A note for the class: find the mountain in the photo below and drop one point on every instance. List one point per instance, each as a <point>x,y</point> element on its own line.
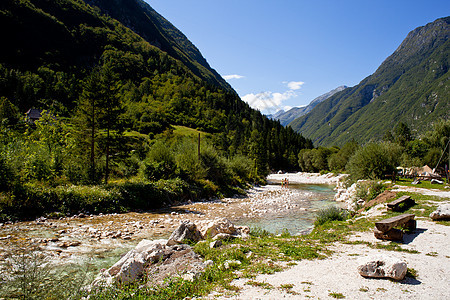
<point>286,117</point>
<point>152,78</point>
<point>410,86</point>
<point>155,29</point>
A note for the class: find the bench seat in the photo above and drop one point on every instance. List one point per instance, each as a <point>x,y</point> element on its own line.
<point>385,230</point>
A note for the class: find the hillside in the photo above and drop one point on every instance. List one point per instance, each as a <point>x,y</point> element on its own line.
<point>286,117</point>
<point>410,86</point>
<point>156,30</point>
<point>53,50</point>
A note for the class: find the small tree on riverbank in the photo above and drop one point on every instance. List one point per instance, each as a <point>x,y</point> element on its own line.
<point>374,160</point>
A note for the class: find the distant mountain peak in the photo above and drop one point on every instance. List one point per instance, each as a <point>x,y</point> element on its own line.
<point>285,117</point>
<point>410,86</point>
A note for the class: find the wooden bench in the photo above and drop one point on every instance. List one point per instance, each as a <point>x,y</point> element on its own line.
<point>395,205</point>
<point>385,230</point>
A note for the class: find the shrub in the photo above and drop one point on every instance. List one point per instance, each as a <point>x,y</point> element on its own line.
<point>374,160</point>
<point>329,214</point>
<point>241,166</point>
<point>187,160</point>
<point>369,190</point>
<point>6,175</point>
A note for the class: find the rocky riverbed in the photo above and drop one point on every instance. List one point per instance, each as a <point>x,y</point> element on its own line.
<point>100,240</point>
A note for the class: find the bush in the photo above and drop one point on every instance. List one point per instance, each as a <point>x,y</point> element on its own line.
<point>374,160</point>
<point>369,190</point>
<point>241,166</point>
<point>330,214</point>
<point>187,160</point>
<point>6,175</point>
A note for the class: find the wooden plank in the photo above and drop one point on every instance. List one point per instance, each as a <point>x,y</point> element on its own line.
<point>399,200</point>
<point>392,234</point>
<point>387,224</point>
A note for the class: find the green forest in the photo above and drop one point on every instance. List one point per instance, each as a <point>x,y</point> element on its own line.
<point>123,125</point>
<point>376,160</point>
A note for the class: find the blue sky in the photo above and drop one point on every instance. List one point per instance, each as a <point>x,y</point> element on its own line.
<point>279,54</point>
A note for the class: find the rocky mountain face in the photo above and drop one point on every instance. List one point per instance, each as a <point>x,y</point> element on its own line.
<point>410,86</point>
<point>155,29</point>
<point>286,117</point>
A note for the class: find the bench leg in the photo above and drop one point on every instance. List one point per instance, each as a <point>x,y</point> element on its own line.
<point>392,234</point>
<point>411,224</point>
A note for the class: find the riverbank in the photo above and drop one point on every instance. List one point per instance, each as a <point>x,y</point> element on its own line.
<point>424,250</point>
<point>101,239</point>
<point>307,178</point>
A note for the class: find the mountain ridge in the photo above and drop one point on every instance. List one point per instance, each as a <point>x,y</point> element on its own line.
<point>140,17</point>
<point>410,86</point>
<point>285,117</point>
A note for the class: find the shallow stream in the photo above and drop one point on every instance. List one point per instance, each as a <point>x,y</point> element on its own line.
<point>96,242</point>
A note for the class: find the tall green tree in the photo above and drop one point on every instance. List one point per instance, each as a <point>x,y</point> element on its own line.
<point>98,117</point>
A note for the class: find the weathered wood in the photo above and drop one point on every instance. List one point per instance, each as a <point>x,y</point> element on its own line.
<point>392,234</point>
<point>411,224</point>
<point>398,201</point>
<point>395,205</point>
<point>387,224</point>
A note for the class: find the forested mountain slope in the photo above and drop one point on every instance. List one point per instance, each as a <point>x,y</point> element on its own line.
<point>155,29</point>
<point>410,86</point>
<point>53,50</point>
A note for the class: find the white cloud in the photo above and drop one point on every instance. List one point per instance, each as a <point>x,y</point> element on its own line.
<point>295,85</point>
<point>228,77</point>
<point>268,102</point>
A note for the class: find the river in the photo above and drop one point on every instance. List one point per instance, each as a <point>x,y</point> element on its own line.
<point>98,241</point>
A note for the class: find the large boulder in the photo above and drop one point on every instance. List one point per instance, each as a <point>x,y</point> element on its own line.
<point>383,267</point>
<point>179,260</point>
<point>161,259</point>
<point>157,260</point>
<point>187,231</point>
<point>223,225</point>
<point>441,213</point>
<point>131,266</point>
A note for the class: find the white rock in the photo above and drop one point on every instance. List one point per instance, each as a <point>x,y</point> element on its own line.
<point>441,213</point>
<point>187,231</point>
<point>231,264</point>
<point>382,267</point>
<point>219,226</point>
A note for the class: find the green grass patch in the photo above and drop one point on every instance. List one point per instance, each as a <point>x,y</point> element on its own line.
<point>264,285</point>
<point>411,272</point>
<point>336,295</point>
<point>330,214</point>
<point>426,184</point>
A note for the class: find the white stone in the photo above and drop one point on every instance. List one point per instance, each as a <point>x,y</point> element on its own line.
<point>382,267</point>
<point>231,264</point>
<point>441,213</point>
<point>187,231</point>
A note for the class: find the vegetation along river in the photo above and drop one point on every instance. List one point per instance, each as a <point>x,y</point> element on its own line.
<point>97,241</point>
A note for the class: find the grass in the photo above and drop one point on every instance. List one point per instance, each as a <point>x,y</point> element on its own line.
<point>425,205</point>
<point>426,184</point>
<point>336,295</point>
<point>411,272</point>
<point>269,254</point>
<point>260,284</point>
<point>329,214</point>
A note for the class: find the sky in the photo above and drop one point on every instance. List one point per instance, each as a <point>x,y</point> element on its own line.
<point>279,54</point>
